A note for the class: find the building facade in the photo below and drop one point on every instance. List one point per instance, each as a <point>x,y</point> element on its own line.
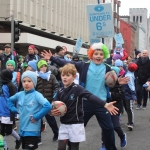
<point>139,16</point>
<point>59,20</point>
<point>128,32</point>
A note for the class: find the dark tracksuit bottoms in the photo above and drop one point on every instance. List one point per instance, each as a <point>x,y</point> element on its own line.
<point>104,120</point>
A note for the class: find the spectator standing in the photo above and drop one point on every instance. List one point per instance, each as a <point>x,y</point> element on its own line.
<point>143,74</point>
<point>7,55</point>
<point>31,54</point>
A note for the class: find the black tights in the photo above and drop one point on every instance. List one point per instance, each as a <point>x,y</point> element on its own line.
<point>62,145</point>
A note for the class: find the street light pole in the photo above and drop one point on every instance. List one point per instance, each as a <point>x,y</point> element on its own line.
<point>12,33</point>
<point>102,38</point>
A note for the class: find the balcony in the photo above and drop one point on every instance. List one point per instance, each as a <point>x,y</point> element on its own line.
<point>119,4</point>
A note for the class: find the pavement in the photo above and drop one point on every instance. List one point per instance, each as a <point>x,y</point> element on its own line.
<point>138,139</point>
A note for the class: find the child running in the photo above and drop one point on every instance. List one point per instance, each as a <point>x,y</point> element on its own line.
<point>92,78</point>
<point>72,124</point>
<point>32,107</point>
<point>6,117</point>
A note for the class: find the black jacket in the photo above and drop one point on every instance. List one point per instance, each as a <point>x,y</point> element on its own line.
<point>117,94</point>
<point>143,71</point>
<point>4,58</point>
<point>47,88</point>
<point>73,98</point>
<point>30,57</point>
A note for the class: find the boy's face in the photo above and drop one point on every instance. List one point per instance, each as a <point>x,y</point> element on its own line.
<point>10,67</point>
<point>29,68</point>
<point>27,84</point>
<point>43,68</point>
<point>98,57</point>
<point>67,79</point>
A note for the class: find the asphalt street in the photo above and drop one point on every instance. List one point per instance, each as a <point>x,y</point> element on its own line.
<point>138,139</point>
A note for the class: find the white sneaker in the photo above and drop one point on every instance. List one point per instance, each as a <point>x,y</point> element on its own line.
<point>40,143</point>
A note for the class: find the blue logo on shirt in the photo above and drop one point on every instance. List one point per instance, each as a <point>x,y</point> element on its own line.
<point>71,97</point>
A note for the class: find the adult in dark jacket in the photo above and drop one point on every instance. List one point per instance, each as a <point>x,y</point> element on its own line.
<point>143,74</point>
<point>31,54</point>
<point>7,55</point>
<point>98,51</point>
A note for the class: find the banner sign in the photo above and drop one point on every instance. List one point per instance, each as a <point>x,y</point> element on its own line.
<point>118,38</point>
<point>100,20</point>
<point>78,45</point>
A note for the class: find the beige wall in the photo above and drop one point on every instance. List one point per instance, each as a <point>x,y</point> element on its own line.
<point>68,17</point>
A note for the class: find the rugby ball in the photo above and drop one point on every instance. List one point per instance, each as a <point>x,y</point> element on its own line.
<point>61,106</point>
<point>148,84</point>
<point>111,78</point>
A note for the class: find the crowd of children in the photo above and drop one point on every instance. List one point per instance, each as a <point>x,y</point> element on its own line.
<point>31,91</point>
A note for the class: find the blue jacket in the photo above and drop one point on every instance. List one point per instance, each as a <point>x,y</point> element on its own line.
<point>4,110</point>
<point>82,68</point>
<point>129,89</point>
<point>29,103</point>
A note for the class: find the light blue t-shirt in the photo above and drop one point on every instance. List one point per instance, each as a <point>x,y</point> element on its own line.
<point>95,80</point>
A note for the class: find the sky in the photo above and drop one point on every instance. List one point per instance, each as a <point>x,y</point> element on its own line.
<point>126,4</point>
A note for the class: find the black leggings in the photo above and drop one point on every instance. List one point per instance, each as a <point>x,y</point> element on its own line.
<point>6,129</point>
<point>62,145</point>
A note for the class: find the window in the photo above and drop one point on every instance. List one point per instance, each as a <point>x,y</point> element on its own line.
<point>140,19</point>
<point>133,18</point>
<point>136,18</point>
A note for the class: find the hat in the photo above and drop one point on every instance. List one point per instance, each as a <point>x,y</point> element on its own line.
<point>75,57</point>
<point>7,46</point>
<point>118,45</point>
<point>12,62</point>
<point>33,64</point>
<point>58,48</point>
<point>6,76</point>
<point>30,74</point>
<point>116,56</point>
<point>32,46</point>
<point>132,67</point>
<point>98,46</point>
<point>137,52</point>
<point>36,47</point>
<point>118,63</point>
<point>41,63</point>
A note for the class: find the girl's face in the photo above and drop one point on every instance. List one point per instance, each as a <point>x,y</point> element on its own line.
<point>29,68</point>
<point>10,67</point>
<point>98,57</point>
<point>67,79</point>
<point>43,68</point>
<point>27,84</point>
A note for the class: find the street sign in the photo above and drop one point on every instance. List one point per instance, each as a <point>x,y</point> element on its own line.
<point>100,20</point>
<point>78,45</point>
<point>118,38</point>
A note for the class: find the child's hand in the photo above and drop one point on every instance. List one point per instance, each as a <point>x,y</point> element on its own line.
<point>32,119</point>
<point>111,108</point>
<point>55,112</point>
